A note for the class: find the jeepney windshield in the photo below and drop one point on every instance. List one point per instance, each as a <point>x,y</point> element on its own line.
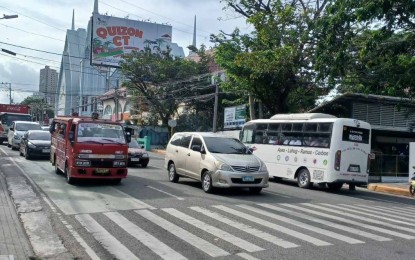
<point>100,132</point>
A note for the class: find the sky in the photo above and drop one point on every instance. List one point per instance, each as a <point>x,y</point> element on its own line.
<point>37,36</point>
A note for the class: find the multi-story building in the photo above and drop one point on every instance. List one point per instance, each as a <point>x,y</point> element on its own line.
<point>48,83</point>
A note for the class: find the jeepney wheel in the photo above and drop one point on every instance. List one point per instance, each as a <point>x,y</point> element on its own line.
<point>207,182</point>
<point>57,171</point>
<point>69,179</point>
<point>173,176</point>
<point>334,186</point>
<point>303,179</point>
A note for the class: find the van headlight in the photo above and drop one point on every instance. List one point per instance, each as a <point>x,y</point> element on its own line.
<point>224,167</point>
<point>30,145</point>
<point>17,137</point>
<point>263,168</point>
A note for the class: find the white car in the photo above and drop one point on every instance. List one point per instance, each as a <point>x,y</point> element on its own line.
<point>215,160</point>
<point>17,129</point>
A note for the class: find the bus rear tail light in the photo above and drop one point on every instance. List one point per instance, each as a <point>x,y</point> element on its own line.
<point>337,160</point>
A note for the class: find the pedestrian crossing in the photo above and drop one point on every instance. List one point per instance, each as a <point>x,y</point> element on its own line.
<point>245,230</point>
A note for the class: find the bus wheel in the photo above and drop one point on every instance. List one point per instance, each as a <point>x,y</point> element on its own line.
<point>69,179</point>
<point>335,186</point>
<point>303,179</point>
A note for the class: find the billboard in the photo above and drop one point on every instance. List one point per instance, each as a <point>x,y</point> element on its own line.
<point>112,37</point>
<point>234,117</point>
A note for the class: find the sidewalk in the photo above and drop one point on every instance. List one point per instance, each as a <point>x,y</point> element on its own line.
<point>14,244</point>
<point>391,188</point>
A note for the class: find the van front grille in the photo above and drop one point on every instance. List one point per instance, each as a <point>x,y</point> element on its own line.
<point>245,168</point>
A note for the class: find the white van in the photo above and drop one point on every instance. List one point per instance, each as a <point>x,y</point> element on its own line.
<point>17,129</point>
<point>215,160</point>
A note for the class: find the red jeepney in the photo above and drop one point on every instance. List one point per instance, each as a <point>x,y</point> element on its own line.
<point>89,148</point>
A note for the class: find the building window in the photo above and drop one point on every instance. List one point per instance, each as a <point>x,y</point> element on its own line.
<point>84,104</point>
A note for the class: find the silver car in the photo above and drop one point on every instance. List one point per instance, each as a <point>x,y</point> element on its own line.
<point>217,161</point>
<point>17,129</point>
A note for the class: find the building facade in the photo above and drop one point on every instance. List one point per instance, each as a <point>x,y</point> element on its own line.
<point>48,83</point>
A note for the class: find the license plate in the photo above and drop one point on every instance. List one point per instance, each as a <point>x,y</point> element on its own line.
<point>102,171</point>
<point>45,150</point>
<point>135,159</point>
<point>354,168</point>
<point>248,178</point>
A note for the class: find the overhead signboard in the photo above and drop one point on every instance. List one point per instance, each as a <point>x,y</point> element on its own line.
<point>234,117</point>
<point>112,37</point>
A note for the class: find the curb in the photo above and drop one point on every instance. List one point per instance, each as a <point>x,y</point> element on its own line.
<point>159,151</point>
<point>389,189</point>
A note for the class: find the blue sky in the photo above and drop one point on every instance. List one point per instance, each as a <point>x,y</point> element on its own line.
<point>42,25</point>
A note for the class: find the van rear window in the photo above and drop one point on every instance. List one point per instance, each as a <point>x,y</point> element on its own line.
<point>357,135</point>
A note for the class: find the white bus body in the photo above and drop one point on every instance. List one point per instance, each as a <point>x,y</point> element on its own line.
<point>324,149</point>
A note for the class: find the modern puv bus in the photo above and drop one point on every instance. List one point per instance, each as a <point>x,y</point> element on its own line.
<point>312,148</point>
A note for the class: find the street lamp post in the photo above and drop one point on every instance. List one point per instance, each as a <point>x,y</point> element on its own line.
<point>5,16</point>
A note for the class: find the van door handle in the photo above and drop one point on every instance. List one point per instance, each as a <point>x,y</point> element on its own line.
<point>188,154</point>
<point>177,151</point>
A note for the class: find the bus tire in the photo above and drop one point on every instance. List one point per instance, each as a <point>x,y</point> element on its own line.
<point>335,186</point>
<point>69,179</point>
<point>304,179</point>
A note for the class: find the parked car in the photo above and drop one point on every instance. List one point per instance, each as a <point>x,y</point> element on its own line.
<point>35,143</point>
<point>17,129</point>
<point>217,161</point>
<point>45,127</point>
<point>137,155</point>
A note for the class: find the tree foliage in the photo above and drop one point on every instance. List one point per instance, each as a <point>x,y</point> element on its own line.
<point>38,107</point>
<point>368,46</point>
<point>275,62</point>
<point>165,83</point>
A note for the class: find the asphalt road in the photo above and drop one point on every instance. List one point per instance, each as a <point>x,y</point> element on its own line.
<point>147,217</point>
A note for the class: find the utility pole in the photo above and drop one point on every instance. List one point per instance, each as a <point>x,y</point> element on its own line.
<point>10,90</point>
<point>215,109</point>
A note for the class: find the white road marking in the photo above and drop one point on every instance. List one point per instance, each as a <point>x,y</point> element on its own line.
<point>248,229</point>
<point>148,240</point>
<point>246,256</point>
<point>380,213</point>
<point>273,226</point>
<point>360,224</point>
<point>110,243</point>
<point>214,231</point>
<point>327,223</point>
<point>162,191</point>
<point>184,235</point>
<point>304,225</point>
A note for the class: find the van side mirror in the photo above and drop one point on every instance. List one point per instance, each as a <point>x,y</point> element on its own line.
<point>250,150</point>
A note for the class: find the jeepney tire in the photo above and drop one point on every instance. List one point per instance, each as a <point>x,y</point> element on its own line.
<point>304,179</point>
<point>335,186</point>
<point>207,182</point>
<point>69,179</point>
<point>116,181</point>
<point>57,171</point>
<point>173,176</point>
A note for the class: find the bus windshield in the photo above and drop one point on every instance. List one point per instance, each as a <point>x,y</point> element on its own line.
<point>100,132</point>
<point>7,119</point>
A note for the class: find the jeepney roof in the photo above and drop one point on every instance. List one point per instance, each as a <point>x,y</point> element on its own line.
<point>78,119</point>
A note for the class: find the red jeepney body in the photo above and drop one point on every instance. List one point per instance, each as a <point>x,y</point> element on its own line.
<point>80,152</point>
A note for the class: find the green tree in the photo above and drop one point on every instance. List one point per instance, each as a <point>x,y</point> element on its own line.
<point>274,63</point>
<point>38,107</point>
<point>165,82</point>
<point>368,46</point>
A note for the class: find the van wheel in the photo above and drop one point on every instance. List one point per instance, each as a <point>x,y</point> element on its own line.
<point>303,179</point>
<point>69,179</point>
<point>173,176</point>
<point>255,190</point>
<point>335,186</point>
<point>207,182</point>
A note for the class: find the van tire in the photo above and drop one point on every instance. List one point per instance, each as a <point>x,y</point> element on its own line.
<point>207,182</point>
<point>304,179</point>
<point>173,176</point>
<point>255,190</point>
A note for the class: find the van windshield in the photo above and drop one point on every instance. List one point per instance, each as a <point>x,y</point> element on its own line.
<point>225,145</point>
<point>100,132</point>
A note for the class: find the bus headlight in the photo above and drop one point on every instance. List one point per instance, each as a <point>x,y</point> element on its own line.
<point>82,163</point>
<point>119,163</point>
